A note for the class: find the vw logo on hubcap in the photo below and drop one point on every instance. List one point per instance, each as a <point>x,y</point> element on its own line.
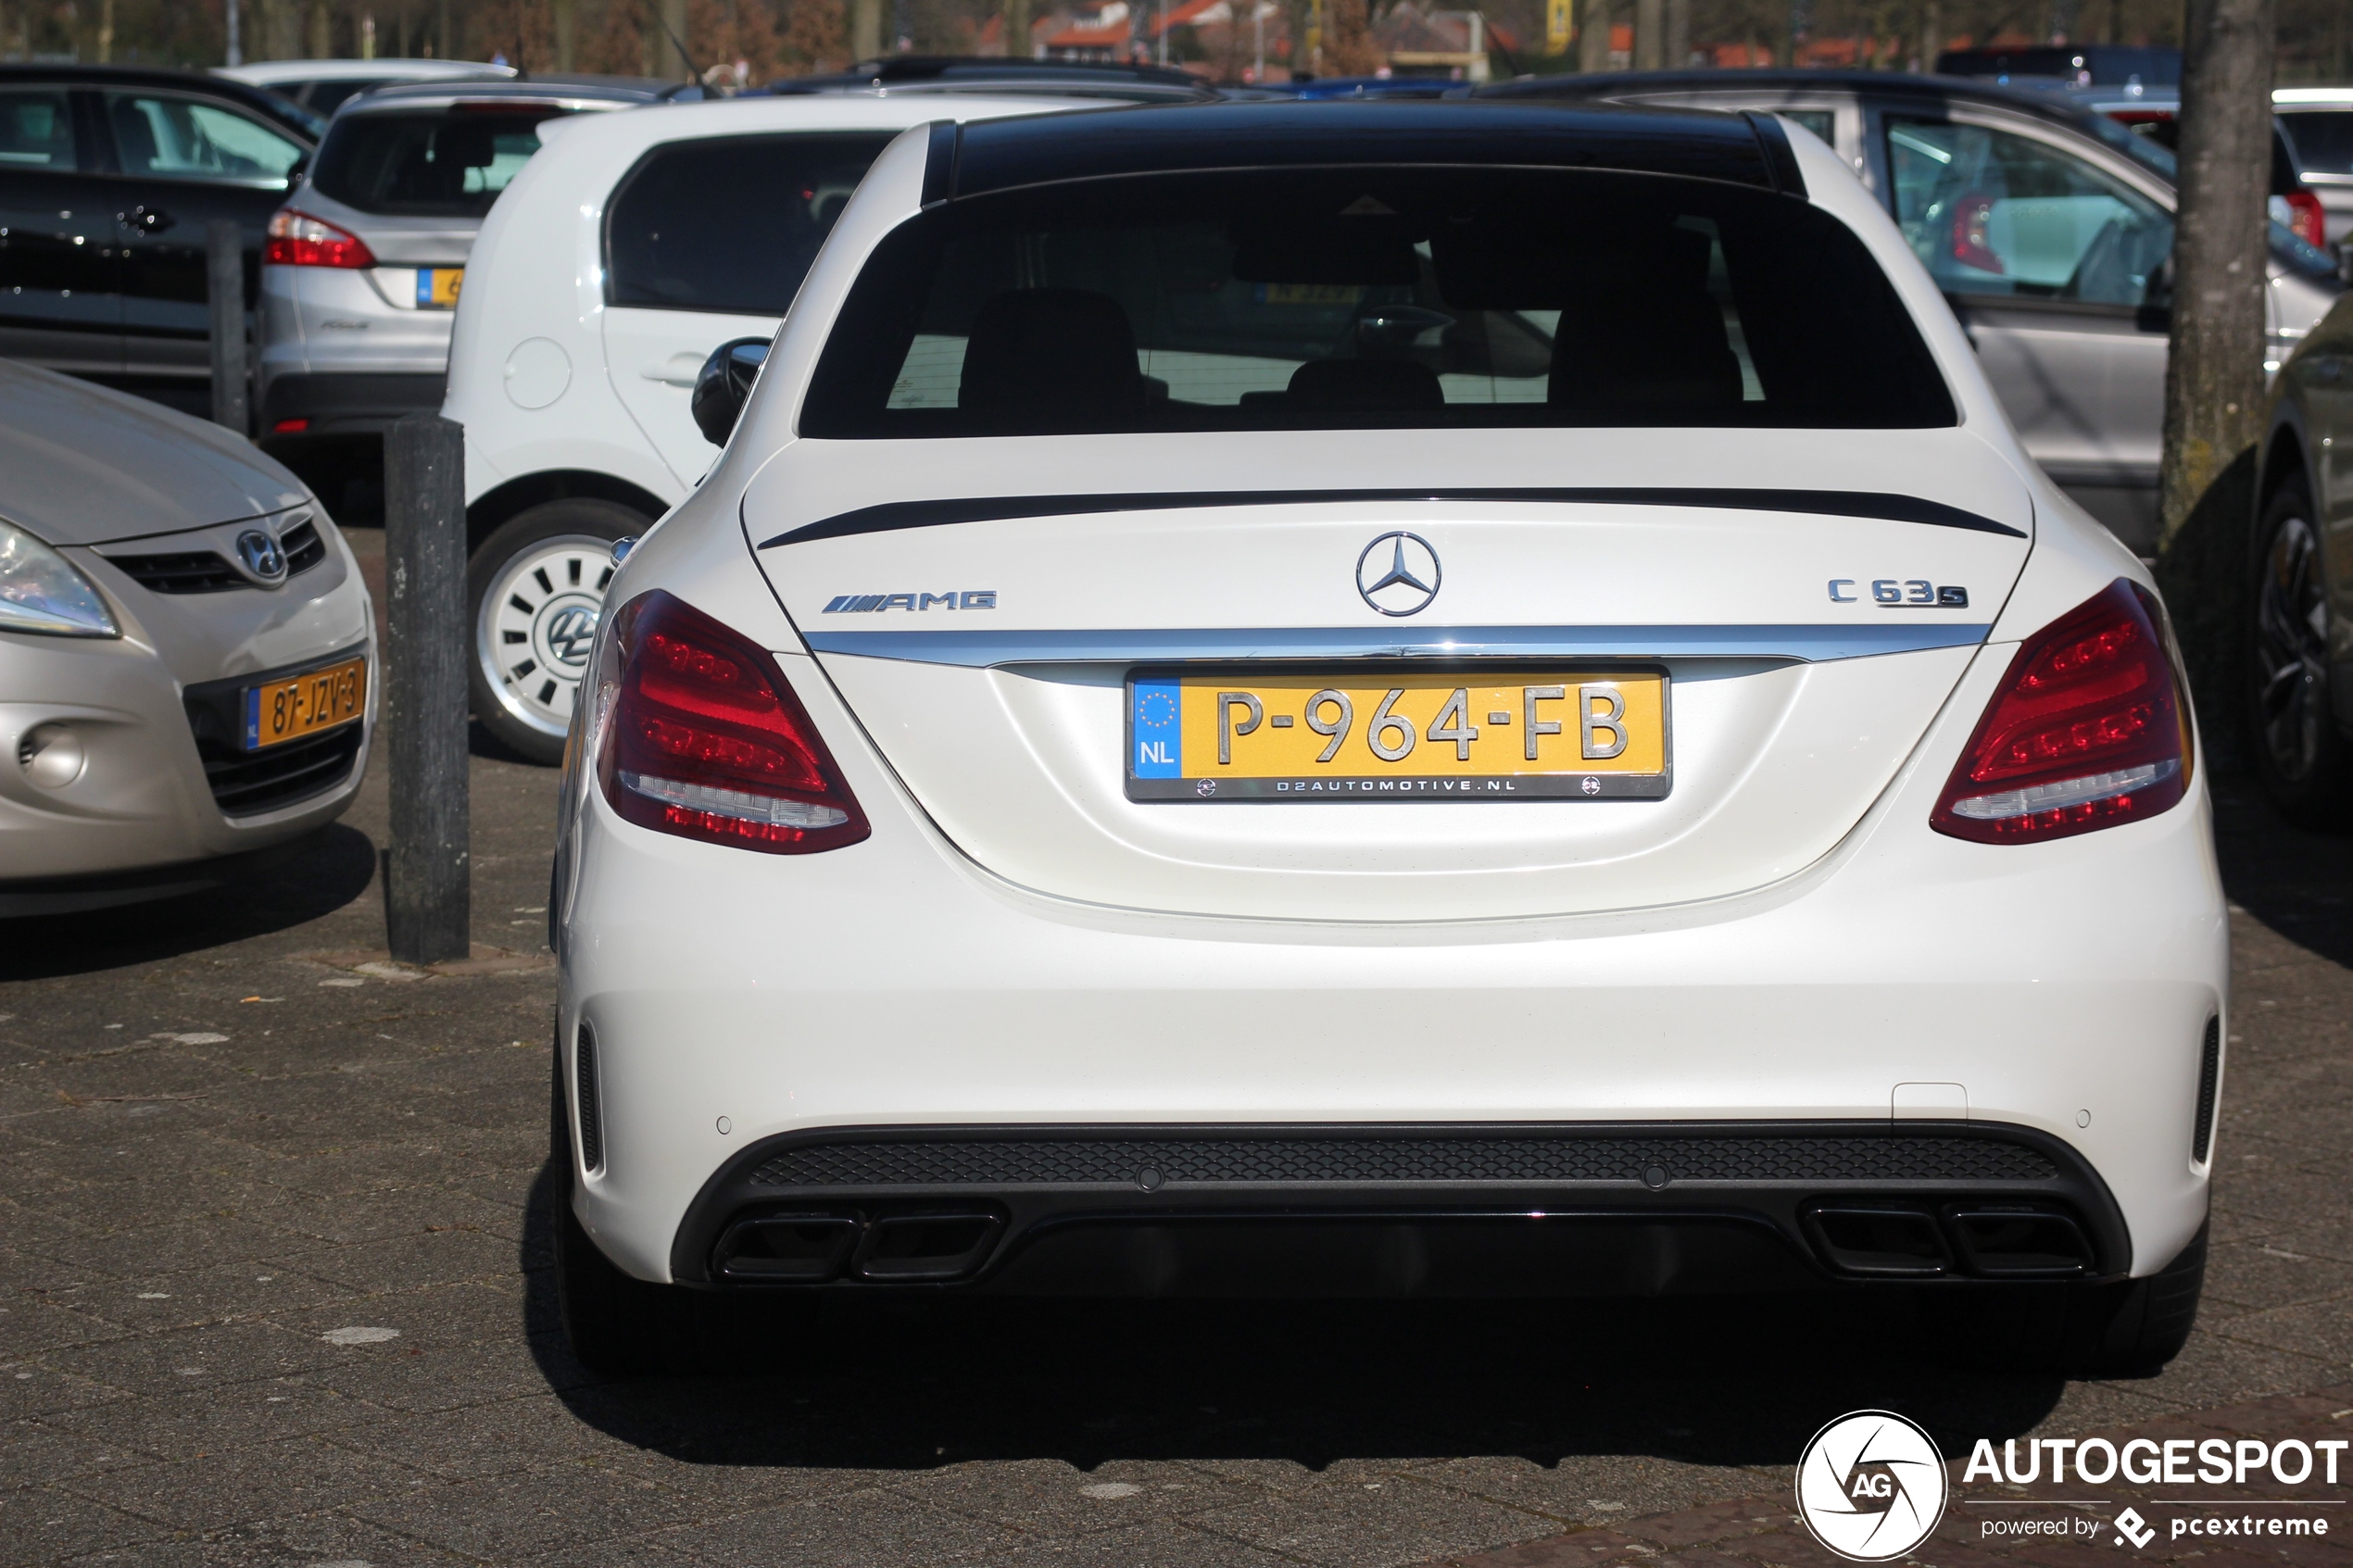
<point>1398,573</point>
<point>569,631</point>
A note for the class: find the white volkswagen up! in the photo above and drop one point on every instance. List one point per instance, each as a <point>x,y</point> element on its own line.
<point>620,256</point>
<point>1425,698</point>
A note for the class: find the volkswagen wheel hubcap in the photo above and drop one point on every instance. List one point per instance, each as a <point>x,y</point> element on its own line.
<point>538,623</point>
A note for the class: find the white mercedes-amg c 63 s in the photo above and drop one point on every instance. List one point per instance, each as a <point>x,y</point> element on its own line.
<point>1395,698</point>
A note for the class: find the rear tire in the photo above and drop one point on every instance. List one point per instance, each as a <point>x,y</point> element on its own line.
<point>535,589</point>
<point>2301,756</point>
<point>616,1324</point>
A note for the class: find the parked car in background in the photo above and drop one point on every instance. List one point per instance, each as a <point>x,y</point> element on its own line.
<point>186,659</point>
<point>108,178</point>
<point>623,255</point>
<point>322,86</point>
<point>1319,87</point>
<point>999,76</point>
<point>2156,113</point>
<point>2050,230</point>
<point>1396,700</point>
<point>366,255</point>
<point>2076,65</point>
<point>2299,635</point>
<point>2320,121</point>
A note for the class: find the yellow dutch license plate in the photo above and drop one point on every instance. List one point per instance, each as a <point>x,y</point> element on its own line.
<point>1551,735</point>
<point>437,287</point>
<point>304,705</point>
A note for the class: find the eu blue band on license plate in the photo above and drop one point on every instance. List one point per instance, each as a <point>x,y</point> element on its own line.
<point>253,718</point>
<point>1157,708</point>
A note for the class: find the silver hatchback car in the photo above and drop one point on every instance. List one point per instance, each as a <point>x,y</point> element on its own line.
<point>364,262</point>
<point>186,652</point>
<point>2050,231</point>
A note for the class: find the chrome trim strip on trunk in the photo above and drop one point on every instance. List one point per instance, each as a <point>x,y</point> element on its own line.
<point>891,516</point>
<point>980,648</point>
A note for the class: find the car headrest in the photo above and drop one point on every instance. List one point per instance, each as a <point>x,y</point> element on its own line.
<point>1654,339</point>
<point>1056,359</point>
<point>1366,385</point>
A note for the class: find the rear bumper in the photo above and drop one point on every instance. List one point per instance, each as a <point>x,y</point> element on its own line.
<point>351,403</point>
<point>1449,1209</point>
<point>2058,997</point>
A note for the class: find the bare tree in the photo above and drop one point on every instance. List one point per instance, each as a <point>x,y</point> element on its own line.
<point>1592,34</point>
<point>2214,377</point>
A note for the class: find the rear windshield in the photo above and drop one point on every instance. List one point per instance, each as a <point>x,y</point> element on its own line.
<point>429,163</point>
<point>2323,139</point>
<point>1366,298</point>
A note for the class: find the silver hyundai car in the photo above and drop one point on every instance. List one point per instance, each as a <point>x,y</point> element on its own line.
<point>187,655</point>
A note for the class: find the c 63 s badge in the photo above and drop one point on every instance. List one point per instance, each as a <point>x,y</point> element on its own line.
<point>1871,1486</point>
<point>1900,593</point>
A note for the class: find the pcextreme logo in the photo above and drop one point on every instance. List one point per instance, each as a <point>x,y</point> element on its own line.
<point>1871,1486</point>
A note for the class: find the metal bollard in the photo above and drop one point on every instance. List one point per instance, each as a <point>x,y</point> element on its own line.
<point>225,289</point>
<point>427,899</point>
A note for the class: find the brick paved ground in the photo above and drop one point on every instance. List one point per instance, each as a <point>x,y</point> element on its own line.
<point>273,1289</point>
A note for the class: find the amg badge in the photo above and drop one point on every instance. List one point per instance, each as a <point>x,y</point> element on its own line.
<point>865,604</point>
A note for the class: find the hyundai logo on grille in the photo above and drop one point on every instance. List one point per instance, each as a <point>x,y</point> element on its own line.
<point>261,556</point>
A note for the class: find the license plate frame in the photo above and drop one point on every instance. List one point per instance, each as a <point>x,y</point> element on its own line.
<point>340,684</point>
<point>1348,778</point>
<point>437,287</point>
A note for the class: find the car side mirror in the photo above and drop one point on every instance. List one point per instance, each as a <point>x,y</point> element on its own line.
<point>723,385</point>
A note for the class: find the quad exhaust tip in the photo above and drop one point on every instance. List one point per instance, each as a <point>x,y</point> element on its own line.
<point>1988,1240</point>
<point>929,1247</point>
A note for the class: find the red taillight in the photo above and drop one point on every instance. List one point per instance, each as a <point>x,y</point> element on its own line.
<point>699,735</point>
<point>2088,730</point>
<point>2307,217</point>
<point>290,427</point>
<point>1972,217</point>
<point>296,239</point>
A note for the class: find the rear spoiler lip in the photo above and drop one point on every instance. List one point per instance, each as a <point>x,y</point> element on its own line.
<point>1800,643</point>
<point>891,516</point>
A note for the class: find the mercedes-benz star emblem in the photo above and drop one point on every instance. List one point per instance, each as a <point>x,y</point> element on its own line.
<point>261,555</point>
<point>1398,573</point>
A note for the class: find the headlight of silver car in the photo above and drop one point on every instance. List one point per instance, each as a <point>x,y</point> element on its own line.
<point>40,591</point>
